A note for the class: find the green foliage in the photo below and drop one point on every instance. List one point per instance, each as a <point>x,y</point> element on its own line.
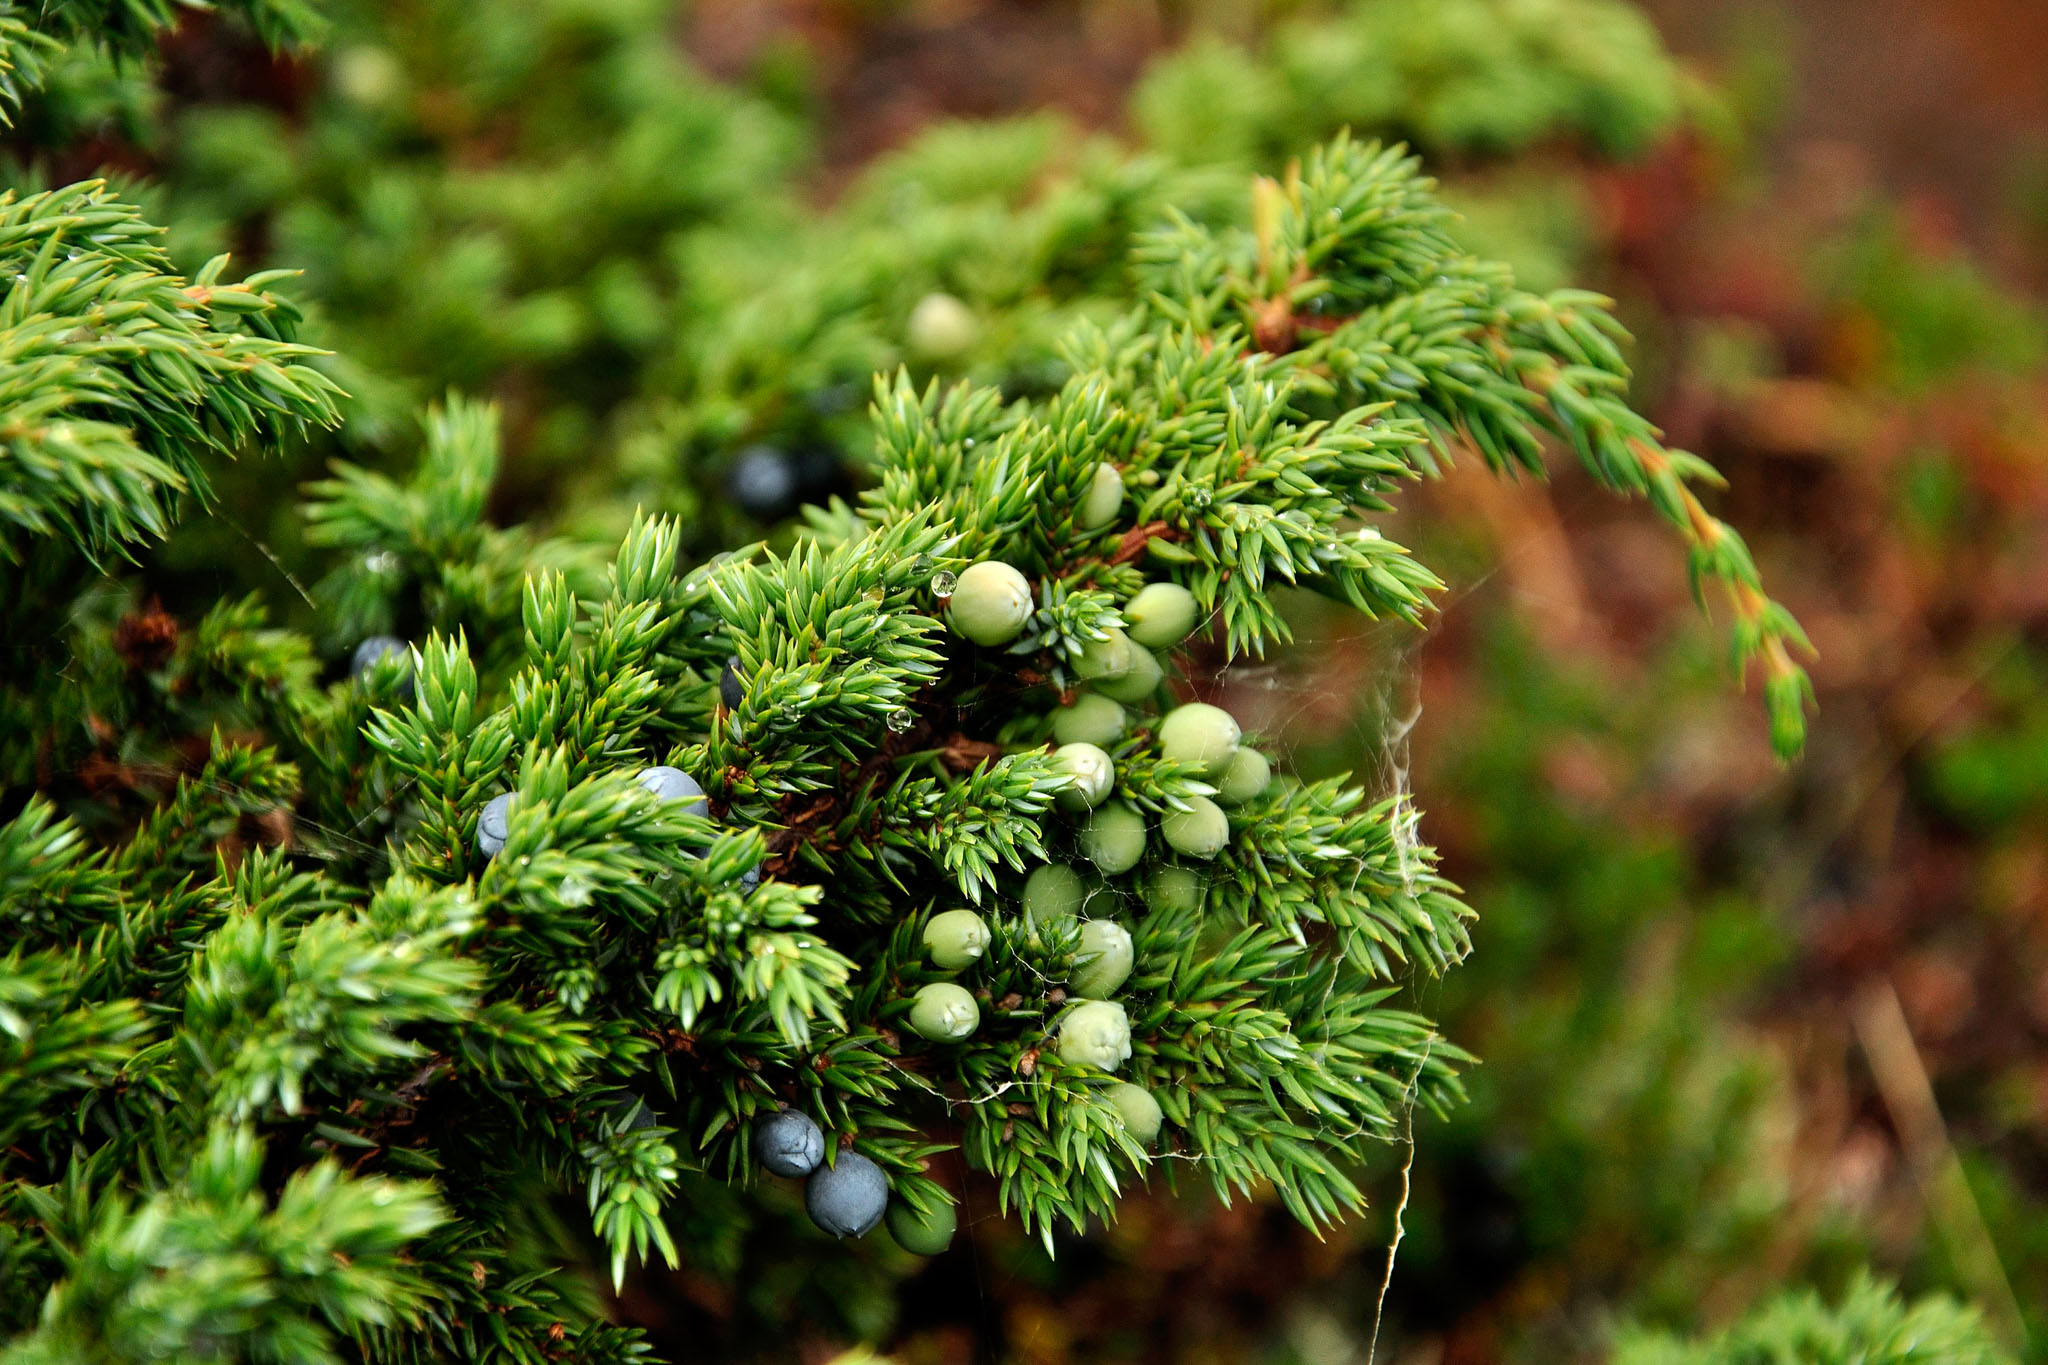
<point>420,555</point>
<point>24,56</point>
<point>508,981</point>
<point>129,28</point>
<point>1871,1325</point>
<point>1449,343</point>
<point>120,379</point>
<point>1936,315</point>
<point>295,1070</point>
<point>1990,775</point>
<point>214,1258</point>
<point>545,204</point>
<point>483,191</point>
<point>79,66</point>
<point>1475,77</point>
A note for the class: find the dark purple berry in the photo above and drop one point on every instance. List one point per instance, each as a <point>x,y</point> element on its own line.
<point>730,689</point>
<point>378,648</point>
<point>848,1198</point>
<point>788,1143</point>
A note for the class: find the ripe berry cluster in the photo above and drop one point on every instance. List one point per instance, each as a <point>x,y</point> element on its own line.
<point>666,784</point>
<point>851,1195</point>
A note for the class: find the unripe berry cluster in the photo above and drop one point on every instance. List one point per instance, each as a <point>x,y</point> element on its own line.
<point>1113,715</point>
<point>1118,711</point>
<point>944,1011</point>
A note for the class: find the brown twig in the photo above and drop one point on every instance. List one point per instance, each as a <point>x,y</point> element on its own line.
<point>1138,537</point>
<point>1902,1080</point>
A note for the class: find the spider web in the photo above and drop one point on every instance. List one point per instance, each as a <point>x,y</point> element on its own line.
<point>1349,699</point>
<point>1364,677</point>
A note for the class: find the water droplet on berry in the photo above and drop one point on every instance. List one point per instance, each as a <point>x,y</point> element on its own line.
<point>900,720</point>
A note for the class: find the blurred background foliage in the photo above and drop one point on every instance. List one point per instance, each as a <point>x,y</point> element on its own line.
<point>1744,1027</point>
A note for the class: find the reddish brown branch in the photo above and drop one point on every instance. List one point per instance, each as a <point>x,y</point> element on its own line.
<point>1138,537</point>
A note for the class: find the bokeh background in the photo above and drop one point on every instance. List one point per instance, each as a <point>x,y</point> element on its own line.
<point>1743,1025</point>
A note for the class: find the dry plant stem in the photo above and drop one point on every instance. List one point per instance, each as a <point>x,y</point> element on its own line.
<point>1909,1097</point>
